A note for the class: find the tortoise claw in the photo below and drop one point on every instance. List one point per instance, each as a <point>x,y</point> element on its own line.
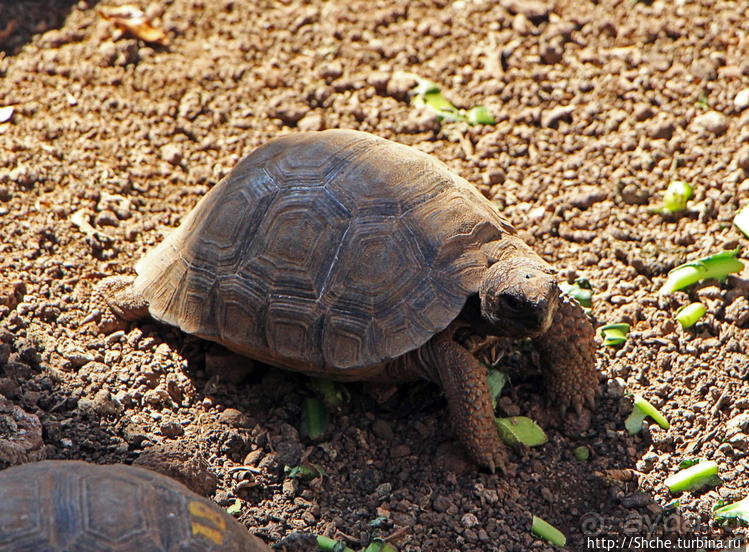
<point>578,406</point>
<point>590,399</point>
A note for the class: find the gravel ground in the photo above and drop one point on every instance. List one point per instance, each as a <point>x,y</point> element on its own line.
<point>599,105</point>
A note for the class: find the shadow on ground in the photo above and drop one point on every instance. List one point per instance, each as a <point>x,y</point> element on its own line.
<point>20,21</point>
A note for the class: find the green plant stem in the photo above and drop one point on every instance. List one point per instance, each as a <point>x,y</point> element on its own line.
<point>714,267</point>
<point>689,315</point>
<point>692,478</point>
<point>545,530</point>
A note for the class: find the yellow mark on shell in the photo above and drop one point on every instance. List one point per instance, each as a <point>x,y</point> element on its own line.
<point>209,517</point>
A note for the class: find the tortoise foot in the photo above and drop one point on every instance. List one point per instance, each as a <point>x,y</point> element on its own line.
<point>568,357</point>
<point>114,302</point>
<point>463,379</point>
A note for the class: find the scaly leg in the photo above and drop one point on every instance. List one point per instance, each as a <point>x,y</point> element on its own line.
<point>463,380</point>
<point>114,301</point>
<point>568,357</point>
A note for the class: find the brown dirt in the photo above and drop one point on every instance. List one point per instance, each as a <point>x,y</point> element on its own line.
<point>599,105</point>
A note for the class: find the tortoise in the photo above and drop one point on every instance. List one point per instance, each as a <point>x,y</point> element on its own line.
<point>345,255</point>
<point>66,505</point>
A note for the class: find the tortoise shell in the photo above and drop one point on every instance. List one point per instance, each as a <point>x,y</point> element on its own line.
<point>57,506</point>
<point>333,249</point>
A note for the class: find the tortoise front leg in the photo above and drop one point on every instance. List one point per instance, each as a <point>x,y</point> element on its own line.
<point>115,301</point>
<point>463,380</point>
<point>568,357</point>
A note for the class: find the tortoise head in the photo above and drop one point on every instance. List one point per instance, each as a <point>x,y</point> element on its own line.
<point>519,297</point>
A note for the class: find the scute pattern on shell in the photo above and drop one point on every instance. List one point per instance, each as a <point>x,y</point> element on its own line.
<point>332,249</point>
<point>57,506</point>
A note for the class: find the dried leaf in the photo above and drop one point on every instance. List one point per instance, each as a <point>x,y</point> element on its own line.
<point>131,19</point>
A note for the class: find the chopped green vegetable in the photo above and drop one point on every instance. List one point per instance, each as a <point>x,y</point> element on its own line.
<point>432,98</point>
<point>582,453</point>
<point>738,510</point>
<point>235,508</point>
<point>378,521</point>
<point>315,418</point>
<point>614,334</point>
<point>688,463</point>
<point>716,266</point>
<point>330,392</point>
<point>688,315</point>
<point>676,196</point>
<point>545,530</point>
<point>694,478</point>
<point>496,380</point>
<point>479,115</point>
<point>581,290</point>
<point>379,545</point>
<point>326,544</point>
<point>307,472</point>
<point>641,410</point>
<point>741,220</point>
<point>427,94</point>
<point>520,429</point>
<point>424,87</point>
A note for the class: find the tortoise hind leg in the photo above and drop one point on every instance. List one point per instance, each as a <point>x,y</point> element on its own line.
<point>568,357</point>
<point>463,380</point>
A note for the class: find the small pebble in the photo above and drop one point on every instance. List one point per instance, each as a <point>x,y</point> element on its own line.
<point>400,450</point>
<point>585,197</point>
<point>234,418</point>
<point>311,121</point>
<point>739,441</point>
<point>741,101</point>
<point>615,387</point>
<point>23,176</point>
<point>171,154</point>
<point>661,129</point>
<point>382,430</point>
<point>400,84</point>
<point>379,80</point>
<point>171,429</point>
<point>384,490</point>
<point>712,122</point>
<point>76,357</point>
<point>740,422</point>
<point>522,25</point>
<point>469,520</point>
<point>331,71</point>
<point>553,116</point>
<point>114,337</point>
<point>532,9</point>
<point>441,503</point>
<point>552,51</point>
<point>742,158</point>
<point>643,112</point>
<point>106,218</point>
<point>290,114</point>
<point>422,120</point>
